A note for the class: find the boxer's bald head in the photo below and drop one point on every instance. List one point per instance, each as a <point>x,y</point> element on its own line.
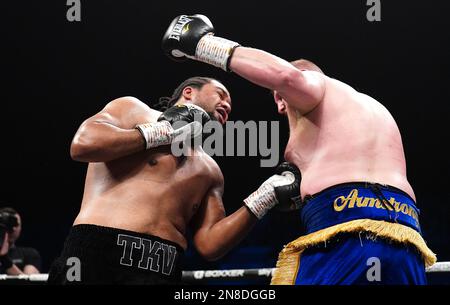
<point>304,64</point>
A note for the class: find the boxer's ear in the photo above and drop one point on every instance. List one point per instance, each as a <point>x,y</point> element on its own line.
<point>281,104</point>
<point>188,93</point>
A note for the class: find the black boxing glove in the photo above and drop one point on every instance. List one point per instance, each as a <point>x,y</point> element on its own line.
<point>185,113</point>
<point>176,124</point>
<point>289,197</point>
<point>183,35</point>
<point>193,37</point>
<point>180,114</point>
<point>282,188</point>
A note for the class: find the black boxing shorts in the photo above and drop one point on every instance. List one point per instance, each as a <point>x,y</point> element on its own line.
<point>102,255</point>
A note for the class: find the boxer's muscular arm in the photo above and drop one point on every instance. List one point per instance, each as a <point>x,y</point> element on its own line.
<point>214,233</point>
<point>302,90</point>
<point>110,134</point>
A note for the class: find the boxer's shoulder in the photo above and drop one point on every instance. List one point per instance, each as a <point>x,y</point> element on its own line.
<point>130,103</point>
<point>131,110</point>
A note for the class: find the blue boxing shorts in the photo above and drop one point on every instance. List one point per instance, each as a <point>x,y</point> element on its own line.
<point>356,234</point>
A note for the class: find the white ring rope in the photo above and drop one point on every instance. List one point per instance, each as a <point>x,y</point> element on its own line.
<point>226,274</point>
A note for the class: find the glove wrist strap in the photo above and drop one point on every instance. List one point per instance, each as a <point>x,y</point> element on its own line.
<point>156,134</point>
<point>215,51</point>
<point>261,201</point>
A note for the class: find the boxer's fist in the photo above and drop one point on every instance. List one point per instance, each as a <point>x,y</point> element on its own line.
<point>288,195</point>
<point>177,124</point>
<point>193,37</point>
<point>185,113</point>
<point>282,189</point>
<point>184,33</point>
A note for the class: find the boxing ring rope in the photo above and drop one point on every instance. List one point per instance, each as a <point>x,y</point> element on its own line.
<point>225,274</point>
<point>235,274</point>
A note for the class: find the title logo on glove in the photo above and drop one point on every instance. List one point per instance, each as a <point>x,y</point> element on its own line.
<point>178,27</point>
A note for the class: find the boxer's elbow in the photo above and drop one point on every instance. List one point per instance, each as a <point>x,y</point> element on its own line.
<point>80,150</point>
<point>211,255</point>
<point>210,251</point>
<point>84,148</point>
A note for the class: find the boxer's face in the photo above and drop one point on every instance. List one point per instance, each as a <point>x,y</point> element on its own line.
<point>213,97</point>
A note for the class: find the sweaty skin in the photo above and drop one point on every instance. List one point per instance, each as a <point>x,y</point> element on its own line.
<point>337,134</point>
<point>152,191</point>
<point>348,137</point>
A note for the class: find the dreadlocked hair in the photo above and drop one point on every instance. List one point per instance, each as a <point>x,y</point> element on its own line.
<point>166,102</point>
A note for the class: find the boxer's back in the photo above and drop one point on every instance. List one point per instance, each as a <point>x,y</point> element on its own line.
<point>348,137</point>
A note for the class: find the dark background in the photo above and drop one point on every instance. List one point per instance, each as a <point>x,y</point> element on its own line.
<point>57,73</point>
